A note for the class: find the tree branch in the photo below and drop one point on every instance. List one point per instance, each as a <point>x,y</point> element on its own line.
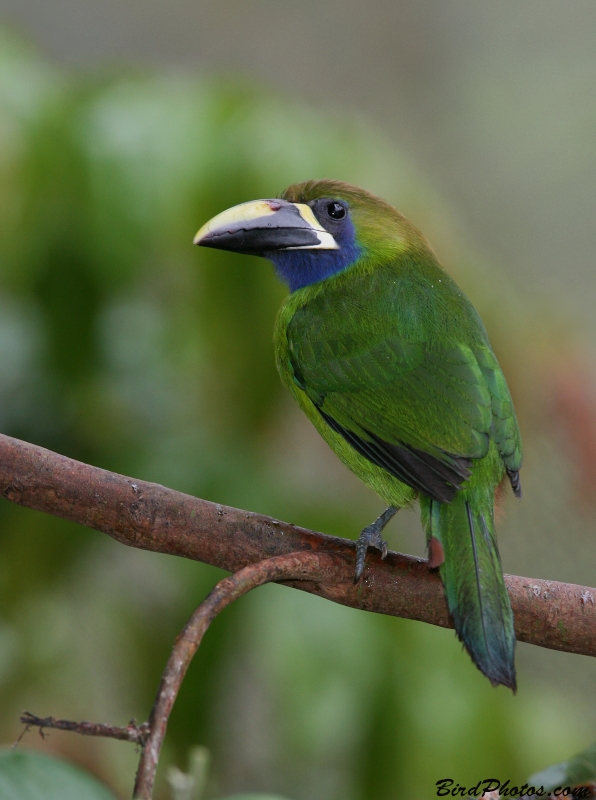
<point>137,734</point>
<point>150,735</point>
<point>313,566</point>
<point>146,515</point>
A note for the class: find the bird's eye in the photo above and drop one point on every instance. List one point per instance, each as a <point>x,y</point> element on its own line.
<point>336,210</point>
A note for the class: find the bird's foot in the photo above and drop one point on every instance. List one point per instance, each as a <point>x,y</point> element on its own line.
<point>372,536</point>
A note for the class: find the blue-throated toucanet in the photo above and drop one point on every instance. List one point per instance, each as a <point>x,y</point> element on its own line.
<point>391,363</point>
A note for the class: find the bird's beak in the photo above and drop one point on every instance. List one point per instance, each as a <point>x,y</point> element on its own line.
<point>264,226</point>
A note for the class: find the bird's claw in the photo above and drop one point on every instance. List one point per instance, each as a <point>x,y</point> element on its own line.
<point>371,536</point>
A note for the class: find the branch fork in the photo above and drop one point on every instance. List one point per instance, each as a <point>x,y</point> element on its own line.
<point>150,735</point>
<point>257,549</point>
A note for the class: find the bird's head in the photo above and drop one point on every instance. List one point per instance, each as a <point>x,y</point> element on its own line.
<point>313,231</point>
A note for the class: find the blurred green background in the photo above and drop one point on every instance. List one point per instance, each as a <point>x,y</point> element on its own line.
<point>124,346</point>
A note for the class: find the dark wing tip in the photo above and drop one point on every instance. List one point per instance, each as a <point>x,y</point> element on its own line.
<point>423,472</point>
<point>515,482</point>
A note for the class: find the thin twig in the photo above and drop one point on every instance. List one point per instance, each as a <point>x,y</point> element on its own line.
<point>150,735</point>
<point>561,616</point>
<point>137,734</point>
<point>294,566</point>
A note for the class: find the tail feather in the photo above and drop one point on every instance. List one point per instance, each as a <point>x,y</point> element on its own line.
<point>473,581</point>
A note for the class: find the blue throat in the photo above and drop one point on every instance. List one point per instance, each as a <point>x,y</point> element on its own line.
<point>299,268</point>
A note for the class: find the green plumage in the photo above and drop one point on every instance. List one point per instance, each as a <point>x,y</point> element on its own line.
<point>391,363</point>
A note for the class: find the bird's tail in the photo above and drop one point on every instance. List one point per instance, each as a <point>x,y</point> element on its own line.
<point>473,580</point>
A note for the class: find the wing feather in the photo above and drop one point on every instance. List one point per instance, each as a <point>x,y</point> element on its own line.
<point>421,411</point>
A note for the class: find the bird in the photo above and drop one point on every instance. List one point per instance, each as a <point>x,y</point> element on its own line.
<point>392,364</point>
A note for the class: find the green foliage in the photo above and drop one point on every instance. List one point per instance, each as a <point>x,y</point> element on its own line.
<point>578,770</point>
<point>26,775</point>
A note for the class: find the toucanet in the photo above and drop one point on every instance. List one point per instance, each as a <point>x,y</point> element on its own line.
<point>391,363</point>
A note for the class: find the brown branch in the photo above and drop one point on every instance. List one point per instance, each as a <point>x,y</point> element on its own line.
<point>137,734</point>
<point>295,566</point>
<point>547,613</point>
<point>150,735</point>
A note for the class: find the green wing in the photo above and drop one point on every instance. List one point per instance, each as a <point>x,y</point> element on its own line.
<point>422,412</point>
